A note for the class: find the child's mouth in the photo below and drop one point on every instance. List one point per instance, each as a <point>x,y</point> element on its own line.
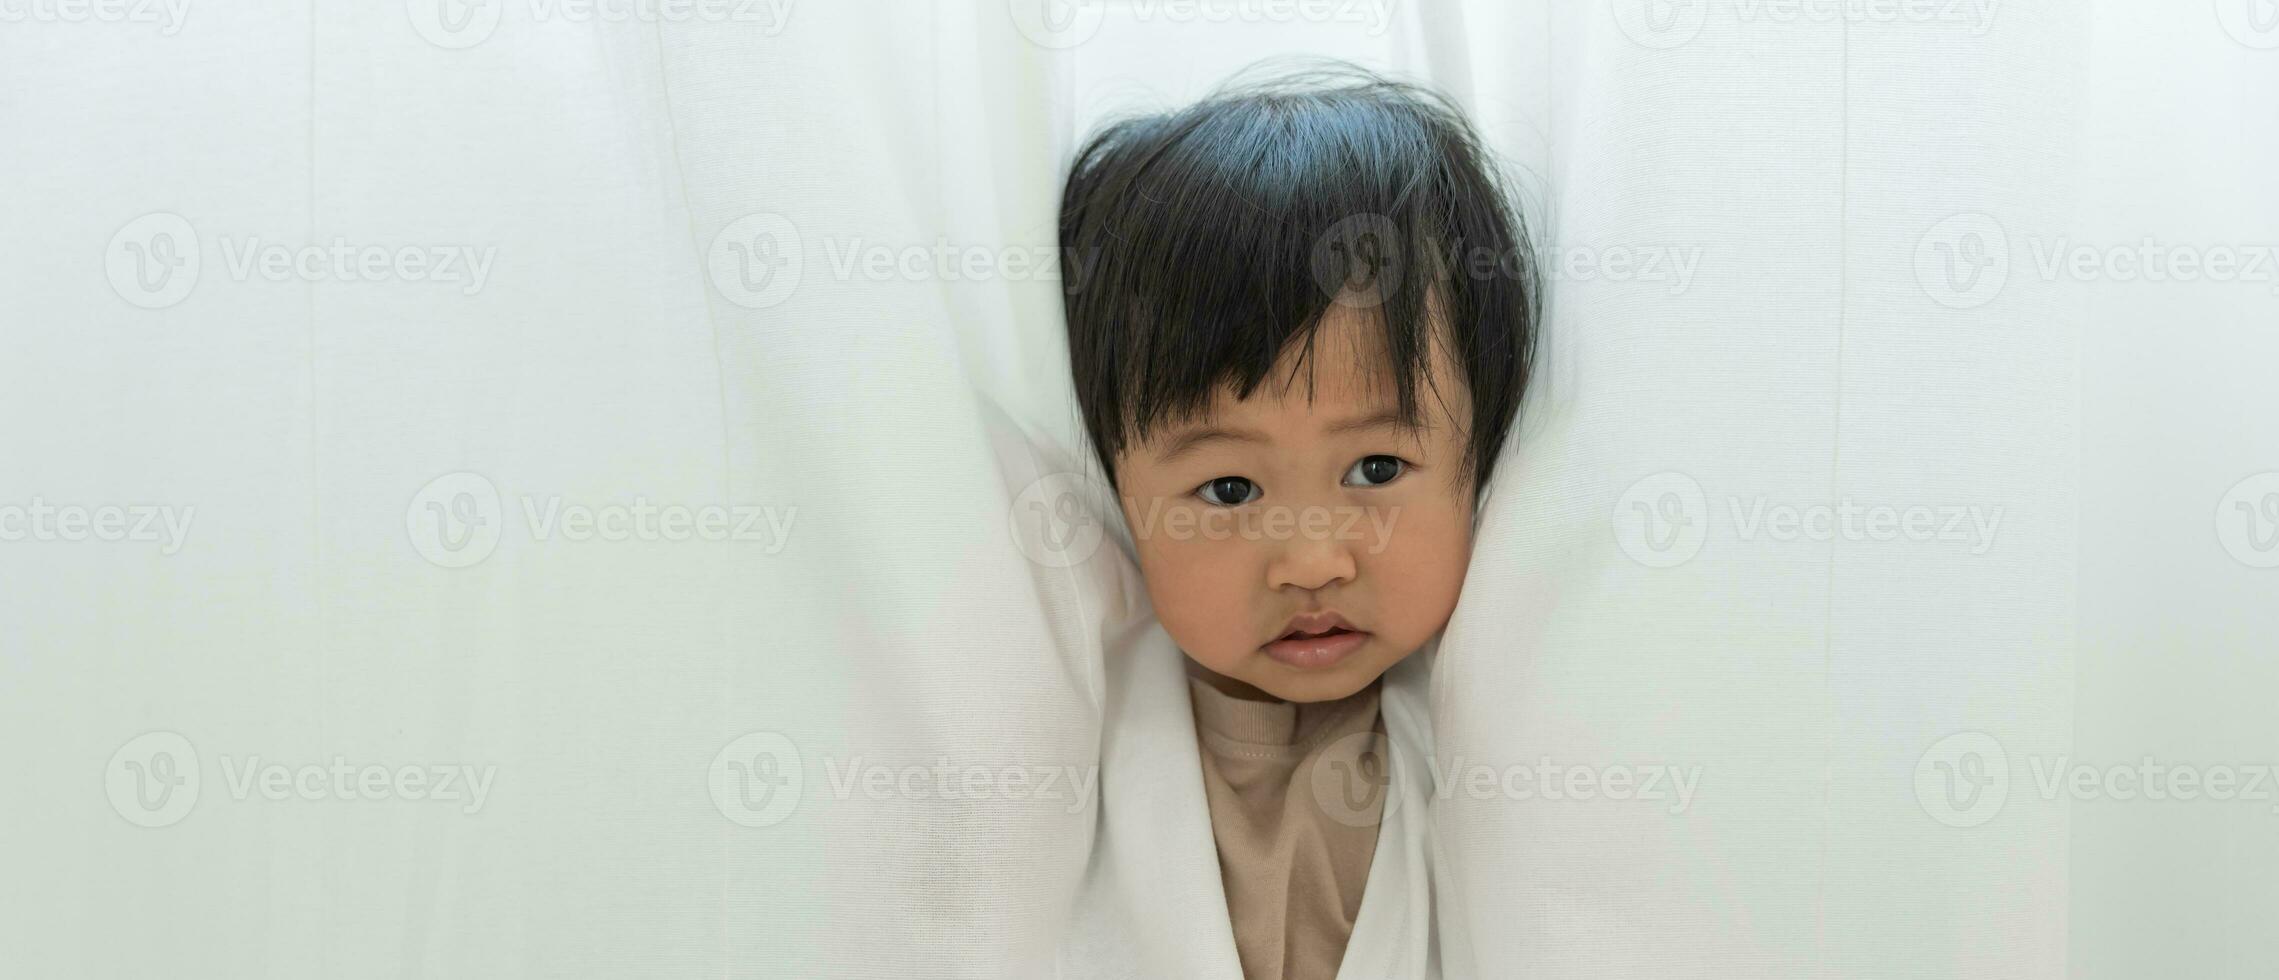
<point>1299,648</point>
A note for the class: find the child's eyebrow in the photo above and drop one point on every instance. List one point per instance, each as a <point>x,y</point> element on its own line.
<point>1189,441</point>
<point>1385,419</point>
<point>1193,439</point>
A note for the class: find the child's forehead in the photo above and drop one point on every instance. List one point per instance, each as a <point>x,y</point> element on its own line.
<point>1330,384</point>
<point>1330,400</point>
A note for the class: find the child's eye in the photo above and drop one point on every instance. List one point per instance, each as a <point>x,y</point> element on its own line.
<point>1228,491</point>
<point>1375,471</point>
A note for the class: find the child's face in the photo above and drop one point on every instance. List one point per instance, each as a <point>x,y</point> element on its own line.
<point>1289,511</point>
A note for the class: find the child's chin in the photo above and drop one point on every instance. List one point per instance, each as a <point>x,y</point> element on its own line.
<point>1337,683</point>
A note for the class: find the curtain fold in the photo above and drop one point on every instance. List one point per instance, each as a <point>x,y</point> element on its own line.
<point>516,488</point>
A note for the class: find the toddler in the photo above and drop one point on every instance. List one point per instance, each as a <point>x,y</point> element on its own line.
<point>1302,344</point>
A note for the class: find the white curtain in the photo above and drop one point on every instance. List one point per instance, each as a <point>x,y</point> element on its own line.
<point>515,488</point>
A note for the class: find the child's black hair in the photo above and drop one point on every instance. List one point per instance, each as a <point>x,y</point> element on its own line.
<point>1219,234</point>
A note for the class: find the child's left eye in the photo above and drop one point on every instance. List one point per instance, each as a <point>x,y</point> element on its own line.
<point>1375,471</point>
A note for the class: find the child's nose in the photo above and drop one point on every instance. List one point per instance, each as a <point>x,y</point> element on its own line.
<point>1311,561</point>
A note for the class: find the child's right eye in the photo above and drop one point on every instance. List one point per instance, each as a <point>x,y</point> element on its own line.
<point>1227,491</point>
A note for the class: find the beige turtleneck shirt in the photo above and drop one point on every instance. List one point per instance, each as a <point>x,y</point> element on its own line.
<point>1295,792</point>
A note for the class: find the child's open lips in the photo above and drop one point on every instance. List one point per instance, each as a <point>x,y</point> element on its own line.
<point>1316,640</point>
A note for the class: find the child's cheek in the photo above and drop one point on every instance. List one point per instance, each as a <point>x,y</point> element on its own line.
<point>1420,567</point>
<point>1200,585</point>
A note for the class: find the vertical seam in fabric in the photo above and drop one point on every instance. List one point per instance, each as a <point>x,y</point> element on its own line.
<point>719,364</point>
<point>309,367</point>
<point>1835,472</point>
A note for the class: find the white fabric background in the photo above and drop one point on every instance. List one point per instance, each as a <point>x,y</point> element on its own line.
<point>1811,162</point>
